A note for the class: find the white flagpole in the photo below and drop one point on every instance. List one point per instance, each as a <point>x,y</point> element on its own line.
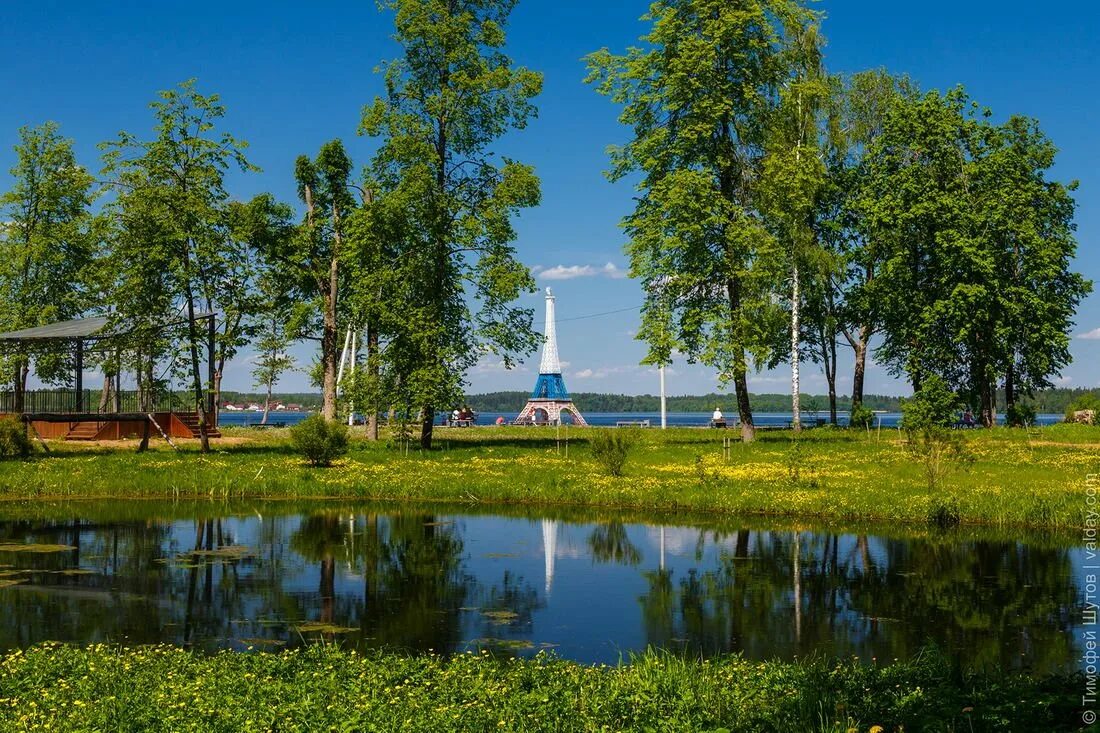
<point>664,404</point>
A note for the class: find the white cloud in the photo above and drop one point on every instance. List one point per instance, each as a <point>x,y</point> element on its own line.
<point>1063,381</point>
<point>1093,335</point>
<point>572,272</point>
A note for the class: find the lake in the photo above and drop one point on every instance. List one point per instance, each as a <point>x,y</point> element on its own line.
<point>590,587</point>
<point>607,419</point>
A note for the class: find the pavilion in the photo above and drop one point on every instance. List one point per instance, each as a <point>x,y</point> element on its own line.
<point>72,414</point>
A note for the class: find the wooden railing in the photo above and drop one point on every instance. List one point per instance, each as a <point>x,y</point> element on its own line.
<point>68,401</point>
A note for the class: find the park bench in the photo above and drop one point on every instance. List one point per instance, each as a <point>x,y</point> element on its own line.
<point>632,424</point>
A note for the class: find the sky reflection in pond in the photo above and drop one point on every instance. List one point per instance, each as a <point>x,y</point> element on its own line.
<point>591,589</point>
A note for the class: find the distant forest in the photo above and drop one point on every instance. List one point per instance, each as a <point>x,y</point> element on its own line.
<point>1052,401</point>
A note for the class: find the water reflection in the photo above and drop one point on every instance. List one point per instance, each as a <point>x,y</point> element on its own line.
<point>415,580</point>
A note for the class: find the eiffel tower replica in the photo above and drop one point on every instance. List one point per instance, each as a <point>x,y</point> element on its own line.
<point>550,398</point>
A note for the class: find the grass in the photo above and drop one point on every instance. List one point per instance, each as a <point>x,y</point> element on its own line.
<point>1017,479</point>
<point>322,688</point>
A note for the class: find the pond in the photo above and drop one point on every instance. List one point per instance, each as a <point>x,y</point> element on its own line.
<point>589,587</point>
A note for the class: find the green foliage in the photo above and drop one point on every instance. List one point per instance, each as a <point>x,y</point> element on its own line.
<point>703,113</point>
<point>14,441</point>
<point>934,405</point>
<point>325,688</point>
<point>1020,415</point>
<point>1082,403</point>
<point>320,441</point>
<point>861,417</point>
<point>611,448</point>
<point>173,248</point>
<point>993,295</point>
<point>449,199</point>
<point>47,245</point>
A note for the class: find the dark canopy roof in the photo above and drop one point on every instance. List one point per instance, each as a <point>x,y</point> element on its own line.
<point>80,329</point>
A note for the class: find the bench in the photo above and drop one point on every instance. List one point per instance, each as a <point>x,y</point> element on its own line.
<point>632,424</point>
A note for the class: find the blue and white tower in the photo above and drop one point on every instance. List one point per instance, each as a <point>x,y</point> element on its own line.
<point>549,399</point>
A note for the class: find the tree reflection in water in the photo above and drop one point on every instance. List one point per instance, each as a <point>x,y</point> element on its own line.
<point>998,605</point>
<point>405,579</point>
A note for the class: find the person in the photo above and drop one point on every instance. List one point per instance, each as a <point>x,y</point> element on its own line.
<point>455,416</point>
<point>500,420</point>
<point>717,420</point>
<point>968,418</point>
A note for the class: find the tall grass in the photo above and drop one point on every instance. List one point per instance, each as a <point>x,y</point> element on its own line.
<point>1015,479</point>
<point>322,688</point>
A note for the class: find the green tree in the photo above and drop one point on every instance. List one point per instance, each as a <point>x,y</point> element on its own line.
<point>857,111</point>
<point>1028,223</point>
<point>699,97</point>
<point>793,173</point>
<point>48,240</point>
<point>452,94</point>
<point>173,187</point>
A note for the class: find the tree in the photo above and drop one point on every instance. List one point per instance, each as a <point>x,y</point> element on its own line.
<point>1028,223</point>
<point>699,97</point>
<point>47,244</point>
<point>793,173</point>
<point>273,340</point>
<point>173,186</point>
<point>857,112</point>
<point>918,208</point>
<point>451,95</point>
<point>976,247</point>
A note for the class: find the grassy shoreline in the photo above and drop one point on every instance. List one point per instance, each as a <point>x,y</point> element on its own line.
<point>322,688</point>
<point>1016,479</point>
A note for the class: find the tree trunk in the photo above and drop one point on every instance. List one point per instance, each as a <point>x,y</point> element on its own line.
<point>372,381</point>
<point>1010,386</point>
<point>19,388</point>
<point>427,426</point>
<point>267,403</point>
<point>196,373</point>
<point>740,367</point>
<point>329,347</point>
<point>796,391</point>
<point>105,395</point>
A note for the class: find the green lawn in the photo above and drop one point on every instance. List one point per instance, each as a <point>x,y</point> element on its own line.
<point>322,688</point>
<point>1015,478</point>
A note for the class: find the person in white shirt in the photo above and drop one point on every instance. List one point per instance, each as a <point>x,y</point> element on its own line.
<point>717,415</point>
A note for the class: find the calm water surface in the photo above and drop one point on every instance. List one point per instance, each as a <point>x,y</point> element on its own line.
<point>588,588</point>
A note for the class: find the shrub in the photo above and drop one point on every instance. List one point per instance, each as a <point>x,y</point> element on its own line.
<point>926,419</point>
<point>861,418</point>
<point>319,440</point>
<point>1020,415</point>
<point>1087,401</point>
<point>935,405</point>
<point>14,441</point>
<point>945,514</point>
<point>611,448</point>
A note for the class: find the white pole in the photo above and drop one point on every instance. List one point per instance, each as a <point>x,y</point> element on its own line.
<point>351,373</point>
<point>664,404</point>
<point>343,355</point>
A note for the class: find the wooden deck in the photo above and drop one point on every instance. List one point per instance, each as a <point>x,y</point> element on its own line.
<point>114,426</point>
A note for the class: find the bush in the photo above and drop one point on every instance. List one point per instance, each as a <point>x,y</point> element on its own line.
<point>1020,415</point>
<point>926,419</point>
<point>935,405</point>
<point>861,418</point>
<point>1087,401</point>
<point>14,441</point>
<point>611,448</point>
<point>319,440</point>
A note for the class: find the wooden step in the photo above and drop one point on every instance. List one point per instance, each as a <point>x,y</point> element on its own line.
<point>84,431</point>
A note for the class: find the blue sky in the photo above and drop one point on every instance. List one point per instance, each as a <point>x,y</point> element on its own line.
<point>295,75</point>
